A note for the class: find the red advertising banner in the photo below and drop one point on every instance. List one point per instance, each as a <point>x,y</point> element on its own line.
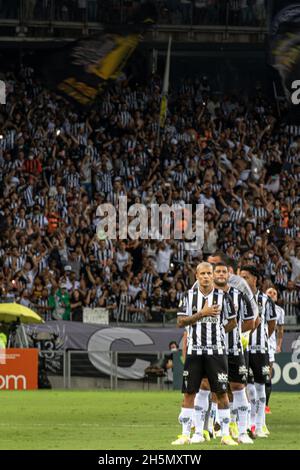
<point>18,369</point>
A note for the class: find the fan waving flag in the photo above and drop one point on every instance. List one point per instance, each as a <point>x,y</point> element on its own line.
<point>285,50</point>
<point>164,99</point>
<point>82,70</point>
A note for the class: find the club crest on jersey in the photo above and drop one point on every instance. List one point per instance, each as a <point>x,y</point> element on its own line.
<point>265,370</point>
<point>222,378</point>
<point>194,309</point>
<point>242,370</point>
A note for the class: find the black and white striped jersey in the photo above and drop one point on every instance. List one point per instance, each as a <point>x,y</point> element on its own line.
<point>206,336</point>
<point>239,283</point>
<point>139,317</point>
<point>258,340</point>
<point>28,196</point>
<point>123,314</point>
<point>290,298</point>
<point>260,213</point>
<point>243,310</point>
<point>236,215</point>
<point>147,281</point>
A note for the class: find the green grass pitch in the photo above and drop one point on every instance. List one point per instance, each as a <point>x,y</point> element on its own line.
<point>105,420</point>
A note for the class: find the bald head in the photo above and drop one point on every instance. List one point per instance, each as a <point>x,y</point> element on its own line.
<point>204,265</point>
<point>204,275</point>
<point>272,292</point>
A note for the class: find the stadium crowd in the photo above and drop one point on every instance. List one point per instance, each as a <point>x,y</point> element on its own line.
<point>196,12</point>
<point>57,164</point>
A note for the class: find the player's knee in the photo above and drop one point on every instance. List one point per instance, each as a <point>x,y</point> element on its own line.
<point>223,402</point>
<point>189,400</point>
<point>204,385</point>
<point>236,387</point>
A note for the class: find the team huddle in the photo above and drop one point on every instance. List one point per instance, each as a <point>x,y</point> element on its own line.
<point>229,346</point>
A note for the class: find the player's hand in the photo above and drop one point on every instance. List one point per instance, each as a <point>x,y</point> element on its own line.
<point>210,311</point>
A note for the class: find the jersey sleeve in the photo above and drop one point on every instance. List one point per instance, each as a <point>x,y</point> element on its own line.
<point>228,308</point>
<point>183,309</point>
<point>247,311</point>
<point>243,286</point>
<point>280,317</point>
<point>270,310</point>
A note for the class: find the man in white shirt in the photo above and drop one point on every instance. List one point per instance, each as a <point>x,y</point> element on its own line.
<point>163,258</point>
<point>275,340</point>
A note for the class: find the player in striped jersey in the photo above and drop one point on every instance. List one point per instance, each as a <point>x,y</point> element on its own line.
<point>275,340</point>
<point>203,311</point>
<point>235,280</point>
<point>259,369</point>
<point>237,370</point>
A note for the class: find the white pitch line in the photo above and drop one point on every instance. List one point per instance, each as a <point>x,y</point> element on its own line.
<point>79,424</point>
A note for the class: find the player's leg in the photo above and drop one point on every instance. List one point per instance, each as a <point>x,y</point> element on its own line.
<point>213,424</point>
<point>237,380</point>
<point>261,373</point>
<point>269,384</point>
<point>201,406</point>
<point>251,394</point>
<point>190,385</point>
<point>268,388</point>
<point>216,367</point>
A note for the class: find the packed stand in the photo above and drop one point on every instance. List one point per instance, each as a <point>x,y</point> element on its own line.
<point>57,165</point>
<point>195,12</point>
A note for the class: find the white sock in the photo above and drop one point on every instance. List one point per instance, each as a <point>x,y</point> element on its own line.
<point>249,416</point>
<point>240,403</point>
<point>233,412</point>
<point>212,416</point>
<point>251,392</point>
<point>200,408</point>
<point>260,405</point>
<point>186,420</point>
<point>217,420</point>
<point>224,421</point>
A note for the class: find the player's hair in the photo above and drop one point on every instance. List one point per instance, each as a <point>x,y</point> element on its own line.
<point>251,269</point>
<point>221,263</point>
<point>204,264</point>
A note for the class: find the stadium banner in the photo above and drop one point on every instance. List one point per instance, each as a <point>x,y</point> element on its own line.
<point>286,373</point>
<point>137,347</point>
<point>19,369</point>
<point>285,51</point>
<point>82,70</point>
<point>96,315</point>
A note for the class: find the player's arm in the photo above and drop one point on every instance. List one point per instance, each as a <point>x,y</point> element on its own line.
<point>247,314</point>
<point>229,314</point>
<point>231,325</point>
<point>247,325</point>
<point>184,320</point>
<point>184,345</point>
<point>257,322</point>
<point>271,316</point>
<point>271,327</point>
<point>280,331</point>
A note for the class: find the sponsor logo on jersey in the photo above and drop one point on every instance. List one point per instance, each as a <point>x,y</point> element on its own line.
<point>242,370</point>
<point>222,378</point>
<point>265,370</point>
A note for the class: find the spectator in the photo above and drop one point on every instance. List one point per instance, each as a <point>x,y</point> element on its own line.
<point>76,304</point>
<point>59,301</point>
